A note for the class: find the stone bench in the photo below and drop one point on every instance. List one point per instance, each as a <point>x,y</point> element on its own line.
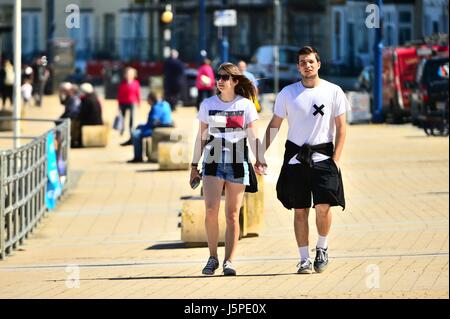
<point>167,134</point>
<point>253,209</point>
<point>95,135</point>
<point>193,221</point>
<point>174,155</point>
<point>6,125</point>
<point>253,212</point>
<point>251,217</point>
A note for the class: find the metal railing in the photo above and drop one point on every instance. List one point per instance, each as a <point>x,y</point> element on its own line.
<point>23,184</point>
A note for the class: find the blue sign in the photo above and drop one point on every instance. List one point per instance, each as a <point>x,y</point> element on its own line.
<point>53,183</point>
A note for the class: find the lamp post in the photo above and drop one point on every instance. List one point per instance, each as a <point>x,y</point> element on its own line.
<point>202,35</point>
<point>277,40</point>
<point>17,70</point>
<point>377,115</point>
<point>167,18</point>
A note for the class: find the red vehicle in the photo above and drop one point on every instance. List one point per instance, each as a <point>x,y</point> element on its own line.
<point>399,72</point>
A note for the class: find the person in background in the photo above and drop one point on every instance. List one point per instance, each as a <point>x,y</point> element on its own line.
<point>160,116</point>
<point>173,71</point>
<point>68,97</point>
<point>129,97</point>
<point>205,82</point>
<point>90,108</point>
<point>7,75</point>
<point>27,92</point>
<point>41,75</point>
<point>242,65</point>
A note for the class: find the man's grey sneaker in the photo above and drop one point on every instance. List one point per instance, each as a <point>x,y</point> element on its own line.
<point>321,261</point>
<point>228,269</point>
<point>305,267</point>
<point>211,266</point>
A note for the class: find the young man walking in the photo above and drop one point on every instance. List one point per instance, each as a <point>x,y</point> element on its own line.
<point>315,110</point>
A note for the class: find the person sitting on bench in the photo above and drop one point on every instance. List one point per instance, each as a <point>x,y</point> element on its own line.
<point>159,116</point>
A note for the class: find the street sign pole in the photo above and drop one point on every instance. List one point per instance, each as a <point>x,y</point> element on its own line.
<point>223,19</point>
<point>17,70</point>
<point>377,116</point>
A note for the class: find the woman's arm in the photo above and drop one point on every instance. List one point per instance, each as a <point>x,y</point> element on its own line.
<point>252,136</point>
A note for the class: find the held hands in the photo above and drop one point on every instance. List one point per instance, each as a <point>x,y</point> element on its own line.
<point>260,166</point>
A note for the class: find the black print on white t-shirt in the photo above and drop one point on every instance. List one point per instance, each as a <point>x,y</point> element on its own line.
<point>318,109</point>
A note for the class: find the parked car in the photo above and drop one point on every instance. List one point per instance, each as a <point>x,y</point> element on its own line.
<point>263,66</point>
<point>429,97</point>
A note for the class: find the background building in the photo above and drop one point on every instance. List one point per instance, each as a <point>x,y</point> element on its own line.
<point>132,29</point>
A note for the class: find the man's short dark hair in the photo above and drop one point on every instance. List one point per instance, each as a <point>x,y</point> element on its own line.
<point>307,50</point>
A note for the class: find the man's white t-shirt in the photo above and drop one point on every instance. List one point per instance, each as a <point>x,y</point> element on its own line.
<point>311,113</point>
<point>227,120</point>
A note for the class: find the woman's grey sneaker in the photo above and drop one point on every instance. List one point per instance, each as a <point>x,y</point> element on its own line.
<point>305,267</point>
<point>228,269</point>
<point>321,261</point>
<point>211,266</point>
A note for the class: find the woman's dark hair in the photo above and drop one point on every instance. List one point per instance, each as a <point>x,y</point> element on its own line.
<point>244,87</point>
<point>307,50</point>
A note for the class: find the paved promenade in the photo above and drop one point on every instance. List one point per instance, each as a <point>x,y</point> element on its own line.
<point>116,232</point>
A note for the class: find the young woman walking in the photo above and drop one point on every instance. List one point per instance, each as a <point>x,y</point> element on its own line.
<point>226,123</point>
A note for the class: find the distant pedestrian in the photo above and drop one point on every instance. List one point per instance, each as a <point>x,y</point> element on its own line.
<point>27,92</point>
<point>174,79</point>
<point>129,97</point>
<point>315,110</point>
<point>7,76</point>
<point>41,75</point>
<point>242,65</point>
<point>160,115</point>
<point>205,82</point>
<point>227,121</point>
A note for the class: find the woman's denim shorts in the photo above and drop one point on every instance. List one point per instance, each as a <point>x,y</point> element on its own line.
<point>225,172</point>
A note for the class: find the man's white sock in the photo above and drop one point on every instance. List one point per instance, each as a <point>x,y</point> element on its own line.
<point>304,253</point>
<point>322,242</point>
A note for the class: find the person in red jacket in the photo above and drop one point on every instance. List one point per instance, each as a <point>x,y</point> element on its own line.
<point>128,97</point>
<point>205,81</point>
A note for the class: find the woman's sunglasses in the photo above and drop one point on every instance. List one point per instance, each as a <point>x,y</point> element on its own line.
<point>224,77</point>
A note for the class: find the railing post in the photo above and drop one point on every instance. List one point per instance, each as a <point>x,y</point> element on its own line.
<point>2,208</point>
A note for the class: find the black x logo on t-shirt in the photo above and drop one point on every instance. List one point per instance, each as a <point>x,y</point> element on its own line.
<point>318,109</point>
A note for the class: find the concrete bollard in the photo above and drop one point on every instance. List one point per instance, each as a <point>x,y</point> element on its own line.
<point>6,125</point>
<point>165,134</point>
<point>174,156</point>
<point>193,221</point>
<point>95,135</point>
<point>253,212</point>
<point>193,230</point>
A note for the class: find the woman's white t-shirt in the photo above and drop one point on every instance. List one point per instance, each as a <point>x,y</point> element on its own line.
<point>227,120</point>
<point>311,113</point>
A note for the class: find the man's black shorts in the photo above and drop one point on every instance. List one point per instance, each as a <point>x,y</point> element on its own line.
<point>297,182</point>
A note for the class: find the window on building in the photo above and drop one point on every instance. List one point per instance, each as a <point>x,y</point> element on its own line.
<point>337,34</point>
<point>405,20</point>
<point>31,28</point>
<point>83,36</point>
<point>133,36</point>
<point>109,33</point>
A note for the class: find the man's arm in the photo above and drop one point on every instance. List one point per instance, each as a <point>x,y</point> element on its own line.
<point>271,132</point>
<point>340,137</point>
